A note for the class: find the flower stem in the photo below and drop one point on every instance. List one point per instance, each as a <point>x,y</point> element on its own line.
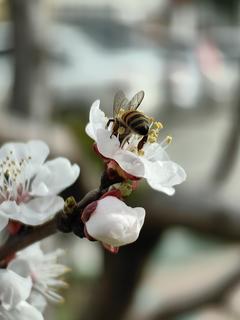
<point>31,235</point>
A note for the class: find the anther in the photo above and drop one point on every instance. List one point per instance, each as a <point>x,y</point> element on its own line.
<point>158,125</point>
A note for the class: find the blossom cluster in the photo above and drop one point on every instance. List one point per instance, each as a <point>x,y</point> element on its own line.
<point>28,282</point>
<point>29,196</point>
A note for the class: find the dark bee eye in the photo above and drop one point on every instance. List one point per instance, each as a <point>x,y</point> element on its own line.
<point>143,130</point>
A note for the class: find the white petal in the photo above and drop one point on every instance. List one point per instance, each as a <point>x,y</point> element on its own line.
<point>107,146</point>
<point>34,212</point>
<point>130,163</point>
<point>20,266</point>
<point>97,120</point>
<point>13,289</point>
<point>110,148</point>
<point>163,175</point>
<point>154,152</point>
<point>23,311</point>
<point>3,222</point>
<point>36,149</point>
<point>37,300</point>
<point>54,176</point>
<point>115,223</point>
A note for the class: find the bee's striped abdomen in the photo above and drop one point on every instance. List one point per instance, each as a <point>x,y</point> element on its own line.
<point>136,121</point>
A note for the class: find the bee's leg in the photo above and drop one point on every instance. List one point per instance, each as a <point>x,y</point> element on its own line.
<point>142,142</point>
<point>108,123</point>
<point>115,129</point>
<point>125,139</point>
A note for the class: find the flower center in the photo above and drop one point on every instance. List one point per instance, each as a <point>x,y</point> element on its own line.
<point>14,185</point>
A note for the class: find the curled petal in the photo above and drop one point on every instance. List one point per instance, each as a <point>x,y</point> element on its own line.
<point>97,120</point>
<point>163,175</point>
<point>54,176</point>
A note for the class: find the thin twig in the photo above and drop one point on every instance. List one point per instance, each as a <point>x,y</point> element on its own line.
<point>34,234</point>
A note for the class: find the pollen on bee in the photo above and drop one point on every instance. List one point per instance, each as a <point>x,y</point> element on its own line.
<point>121,130</point>
<point>141,152</point>
<point>120,112</point>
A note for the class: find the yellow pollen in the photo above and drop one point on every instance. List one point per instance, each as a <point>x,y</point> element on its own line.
<point>141,153</point>
<point>120,112</point>
<point>151,119</point>
<point>154,133</point>
<point>158,125</point>
<point>168,139</point>
<point>121,130</point>
<point>152,139</point>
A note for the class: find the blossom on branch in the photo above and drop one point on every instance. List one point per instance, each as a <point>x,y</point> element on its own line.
<point>112,222</point>
<point>150,162</point>
<point>14,291</point>
<point>45,273</point>
<point>29,185</point>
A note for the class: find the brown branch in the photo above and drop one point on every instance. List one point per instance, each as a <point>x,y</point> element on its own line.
<point>31,235</point>
<point>34,234</point>
<point>200,210</point>
<point>230,148</point>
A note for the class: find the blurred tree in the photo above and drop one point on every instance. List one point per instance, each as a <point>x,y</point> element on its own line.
<point>30,92</point>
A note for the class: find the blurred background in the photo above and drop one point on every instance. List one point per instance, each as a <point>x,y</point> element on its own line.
<point>56,58</point>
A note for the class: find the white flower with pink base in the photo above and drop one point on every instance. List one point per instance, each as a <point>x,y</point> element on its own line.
<point>28,186</point>
<point>151,162</point>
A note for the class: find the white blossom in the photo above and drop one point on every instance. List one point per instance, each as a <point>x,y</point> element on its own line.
<point>22,311</point>
<point>44,271</point>
<point>151,163</point>
<point>28,186</point>
<point>14,291</point>
<point>114,223</point>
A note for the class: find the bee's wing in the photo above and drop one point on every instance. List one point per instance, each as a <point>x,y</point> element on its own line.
<point>120,101</point>
<point>136,101</point>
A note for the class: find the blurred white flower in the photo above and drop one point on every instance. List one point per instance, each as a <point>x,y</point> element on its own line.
<point>114,223</point>
<point>44,272</point>
<point>22,311</point>
<point>14,291</point>
<point>14,288</point>
<point>151,162</point>
<point>28,186</point>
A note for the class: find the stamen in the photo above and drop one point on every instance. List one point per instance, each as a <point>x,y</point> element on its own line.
<point>158,125</point>
<point>13,177</point>
<point>165,143</point>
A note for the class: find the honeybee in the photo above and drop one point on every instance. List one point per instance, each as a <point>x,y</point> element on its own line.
<point>127,120</point>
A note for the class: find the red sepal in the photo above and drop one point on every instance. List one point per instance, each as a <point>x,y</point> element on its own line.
<point>110,248</point>
<point>14,227</point>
